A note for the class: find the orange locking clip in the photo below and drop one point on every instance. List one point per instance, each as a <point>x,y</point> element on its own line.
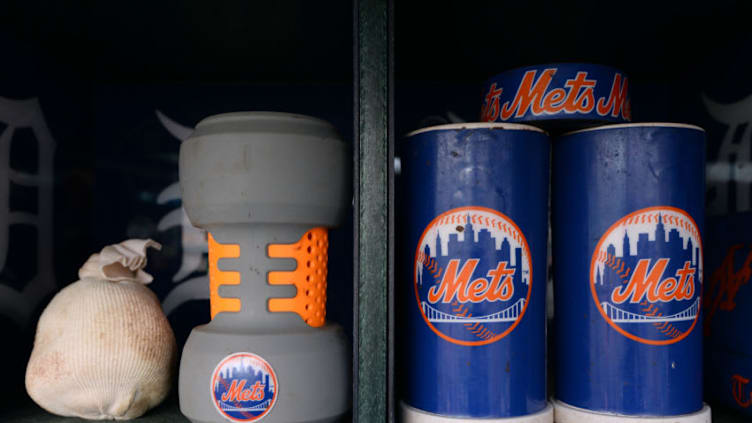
<point>218,277</point>
<point>311,253</point>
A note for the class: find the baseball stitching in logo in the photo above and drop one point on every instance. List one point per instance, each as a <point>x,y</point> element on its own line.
<point>646,275</point>
<point>472,275</point>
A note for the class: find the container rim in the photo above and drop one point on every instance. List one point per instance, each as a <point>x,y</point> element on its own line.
<point>637,125</point>
<point>549,64</point>
<point>256,115</point>
<point>477,125</point>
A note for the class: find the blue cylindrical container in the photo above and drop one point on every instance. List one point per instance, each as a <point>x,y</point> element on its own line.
<point>470,287</point>
<point>558,95</point>
<point>627,219</point>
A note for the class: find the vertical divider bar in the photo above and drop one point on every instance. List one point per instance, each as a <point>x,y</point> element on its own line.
<point>372,214</point>
<point>390,369</point>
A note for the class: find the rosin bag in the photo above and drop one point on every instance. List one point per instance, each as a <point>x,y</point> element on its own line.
<point>103,348</point>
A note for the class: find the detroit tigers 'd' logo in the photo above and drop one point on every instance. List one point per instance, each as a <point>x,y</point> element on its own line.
<point>472,275</point>
<point>646,275</point>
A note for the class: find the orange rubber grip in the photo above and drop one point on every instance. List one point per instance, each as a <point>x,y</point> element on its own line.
<point>218,277</point>
<point>311,253</point>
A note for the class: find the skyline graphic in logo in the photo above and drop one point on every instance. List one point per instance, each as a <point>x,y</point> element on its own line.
<point>472,275</point>
<point>646,275</point>
<point>243,387</point>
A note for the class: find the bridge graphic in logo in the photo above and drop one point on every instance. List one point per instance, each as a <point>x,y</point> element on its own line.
<point>620,316</point>
<point>472,275</point>
<point>646,275</point>
<point>243,387</point>
<point>509,314</point>
<point>231,407</point>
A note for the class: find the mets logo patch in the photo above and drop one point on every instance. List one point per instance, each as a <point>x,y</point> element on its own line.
<point>646,275</point>
<point>243,387</point>
<point>472,275</point>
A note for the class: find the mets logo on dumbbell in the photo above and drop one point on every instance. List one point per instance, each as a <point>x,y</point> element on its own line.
<point>244,387</point>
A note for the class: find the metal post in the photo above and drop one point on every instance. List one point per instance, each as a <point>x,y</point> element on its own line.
<point>373,210</point>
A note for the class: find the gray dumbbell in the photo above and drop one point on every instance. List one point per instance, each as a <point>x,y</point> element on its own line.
<point>265,186</point>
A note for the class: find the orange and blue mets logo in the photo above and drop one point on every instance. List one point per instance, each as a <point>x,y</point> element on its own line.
<point>472,275</point>
<point>646,275</point>
<point>534,95</point>
<point>243,387</point>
